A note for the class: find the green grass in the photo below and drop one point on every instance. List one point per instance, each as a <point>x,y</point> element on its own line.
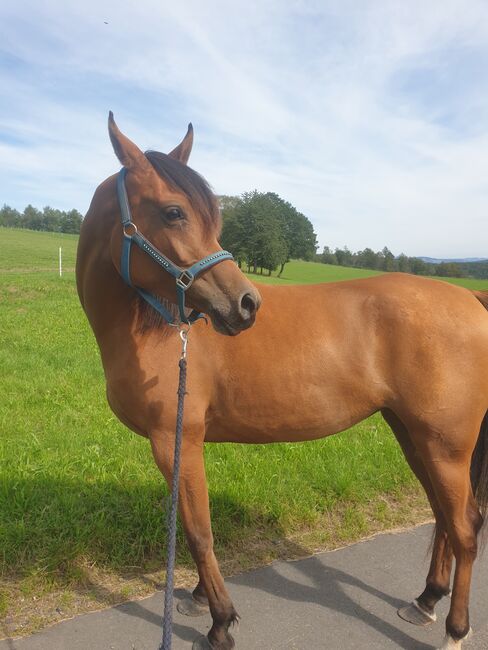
<point>76,483</point>
<point>299,272</point>
<point>79,492</point>
<point>24,250</point>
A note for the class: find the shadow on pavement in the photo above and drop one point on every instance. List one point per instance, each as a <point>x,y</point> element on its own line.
<point>329,593</point>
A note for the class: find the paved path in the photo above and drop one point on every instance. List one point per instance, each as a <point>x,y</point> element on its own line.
<point>341,600</point>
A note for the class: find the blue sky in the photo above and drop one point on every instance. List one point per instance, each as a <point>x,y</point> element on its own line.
<point>370,117</point>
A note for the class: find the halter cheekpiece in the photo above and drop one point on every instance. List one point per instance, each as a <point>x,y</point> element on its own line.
<point>183,277</point>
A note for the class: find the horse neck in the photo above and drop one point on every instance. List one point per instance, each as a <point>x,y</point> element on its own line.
<point>107,300</point>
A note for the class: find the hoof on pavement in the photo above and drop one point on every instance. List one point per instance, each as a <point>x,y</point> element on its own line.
<point>202,643</point>
<point>413,613</point>
<point>452,644</point>
<point>191,607</point>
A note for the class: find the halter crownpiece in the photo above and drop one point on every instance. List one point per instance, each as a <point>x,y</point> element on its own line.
<point>183,277</point>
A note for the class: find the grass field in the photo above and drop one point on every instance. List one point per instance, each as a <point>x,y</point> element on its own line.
<point>24,250</point>
<point>299,272</point>
<point>81,521</point>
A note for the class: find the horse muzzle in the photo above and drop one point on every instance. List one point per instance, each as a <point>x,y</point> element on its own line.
<point>239,317</point>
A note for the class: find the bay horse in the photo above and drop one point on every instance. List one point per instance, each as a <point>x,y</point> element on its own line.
<point>319,359</point>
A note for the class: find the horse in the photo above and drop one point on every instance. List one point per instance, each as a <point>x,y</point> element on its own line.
<point>314,361</point>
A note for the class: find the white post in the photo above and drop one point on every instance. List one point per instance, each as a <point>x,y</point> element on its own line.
<point>60,262</point>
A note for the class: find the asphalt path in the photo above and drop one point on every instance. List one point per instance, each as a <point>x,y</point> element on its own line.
<point>339,600</point>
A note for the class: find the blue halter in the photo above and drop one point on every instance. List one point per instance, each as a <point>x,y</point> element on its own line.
<point>183,277</point>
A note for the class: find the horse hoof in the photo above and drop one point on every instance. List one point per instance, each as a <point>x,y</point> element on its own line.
<point>413,613</point>
<point>202,643</point>
<point>191,607</point>
<point>451,644</point>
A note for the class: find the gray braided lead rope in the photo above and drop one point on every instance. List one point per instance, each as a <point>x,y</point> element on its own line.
<point>170,565</point>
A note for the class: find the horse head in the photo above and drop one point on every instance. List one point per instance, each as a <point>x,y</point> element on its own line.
<point>177,212</point>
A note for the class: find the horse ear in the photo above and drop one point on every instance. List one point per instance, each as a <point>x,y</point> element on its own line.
<point>183,150</point>
<point>126,151</point>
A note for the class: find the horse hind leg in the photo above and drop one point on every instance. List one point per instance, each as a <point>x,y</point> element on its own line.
<point>438,580</point>
<point>451,480</point>
<point>421,610</point>
<point>446,449</point>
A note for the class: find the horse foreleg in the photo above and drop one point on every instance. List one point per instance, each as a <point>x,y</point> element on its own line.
<point>195,516</point>
<point>421,610</point>
<point>197,604</point>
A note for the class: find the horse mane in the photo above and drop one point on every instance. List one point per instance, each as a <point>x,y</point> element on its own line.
<point>184,179</point>
<point>147,318</point>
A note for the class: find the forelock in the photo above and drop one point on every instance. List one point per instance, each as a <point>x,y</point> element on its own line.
<point>184,179</point>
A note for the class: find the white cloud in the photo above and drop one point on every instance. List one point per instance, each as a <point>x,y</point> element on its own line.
<point>371,118</point>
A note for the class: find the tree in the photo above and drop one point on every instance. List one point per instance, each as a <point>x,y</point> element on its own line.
<point>232,236</point>
<point>344,256</point>
<point>388,259</point>
<point>263,236</point>
<point>70,222</point>
<point>273,246</point>
<point>49,219</point>
<point>9,217</point>
<point>327,256</point>
<point>32,218</point>
<point>384,260</point>
<point>367,259</point>
<point>419,267</point>
<point>299,234</point>
<point>449,270</point>
<point>265,231</point>
<point>403,263</point>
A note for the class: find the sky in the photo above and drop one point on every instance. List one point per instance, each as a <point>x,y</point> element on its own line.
<point>370,117</point>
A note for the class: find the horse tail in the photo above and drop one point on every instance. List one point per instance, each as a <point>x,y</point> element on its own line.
<point>479,468</point>
<point>479,460</point>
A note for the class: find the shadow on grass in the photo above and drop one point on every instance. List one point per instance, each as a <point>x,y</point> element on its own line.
<point>48,526</point>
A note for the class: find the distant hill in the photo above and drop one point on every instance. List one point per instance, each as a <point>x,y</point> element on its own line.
<point>457,260</point>
<point>471,267</point>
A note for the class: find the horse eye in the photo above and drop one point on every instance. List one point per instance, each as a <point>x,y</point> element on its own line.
<point>173,214</point>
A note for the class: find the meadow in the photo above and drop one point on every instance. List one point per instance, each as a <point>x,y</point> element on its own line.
<point>82,522</point>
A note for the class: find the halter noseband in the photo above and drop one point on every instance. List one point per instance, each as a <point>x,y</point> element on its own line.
<point>183,277</point>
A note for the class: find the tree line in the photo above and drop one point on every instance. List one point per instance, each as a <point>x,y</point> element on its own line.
<point>264,232</point>
<point>384,260</point>
<point>46,219</point>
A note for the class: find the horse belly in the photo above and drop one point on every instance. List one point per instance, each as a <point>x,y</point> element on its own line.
<point>270,415</point>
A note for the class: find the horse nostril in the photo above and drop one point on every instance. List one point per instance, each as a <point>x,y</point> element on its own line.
<point>249,306</point>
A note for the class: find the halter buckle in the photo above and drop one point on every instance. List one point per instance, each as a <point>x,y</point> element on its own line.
<point>185,280</point>
<point>130,224</point>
